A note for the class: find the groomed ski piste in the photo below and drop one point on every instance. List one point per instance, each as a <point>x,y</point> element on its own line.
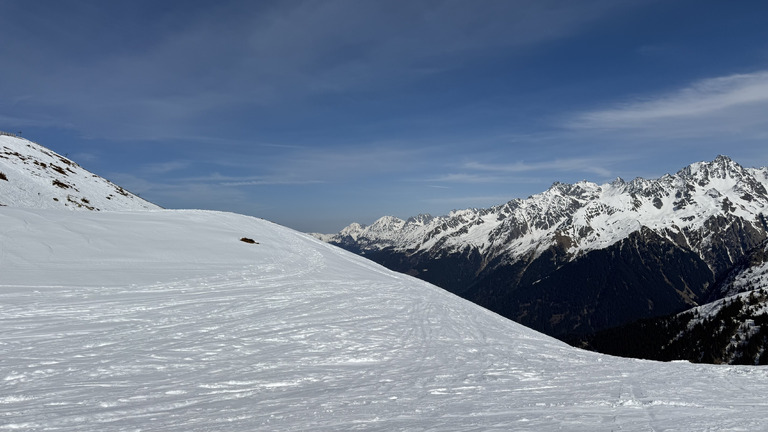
<point>164,320</point>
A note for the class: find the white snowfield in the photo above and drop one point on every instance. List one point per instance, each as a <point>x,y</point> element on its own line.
<point>166,321</point>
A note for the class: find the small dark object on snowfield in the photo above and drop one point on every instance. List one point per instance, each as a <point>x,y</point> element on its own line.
<point>248,240</point>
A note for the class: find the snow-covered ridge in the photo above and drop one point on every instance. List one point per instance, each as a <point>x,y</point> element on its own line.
<point>165,320</point>
<point>33,176</point>
<point>583,216</point>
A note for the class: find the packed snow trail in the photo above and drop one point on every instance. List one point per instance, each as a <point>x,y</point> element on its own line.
<point>164,320</point>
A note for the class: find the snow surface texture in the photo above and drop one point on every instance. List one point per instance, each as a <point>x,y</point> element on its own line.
<point>33,176</point>
<point>165,320</point>
<point>589,216</point>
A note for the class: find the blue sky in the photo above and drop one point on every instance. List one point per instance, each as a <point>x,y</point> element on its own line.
<point>315,114</point>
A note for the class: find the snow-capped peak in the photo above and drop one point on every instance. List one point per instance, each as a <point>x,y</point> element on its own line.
<point>421,219</point>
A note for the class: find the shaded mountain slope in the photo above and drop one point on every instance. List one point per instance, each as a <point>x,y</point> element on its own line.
<point>731,330</point>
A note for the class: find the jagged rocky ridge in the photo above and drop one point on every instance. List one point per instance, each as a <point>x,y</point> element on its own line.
<point>582,257</point>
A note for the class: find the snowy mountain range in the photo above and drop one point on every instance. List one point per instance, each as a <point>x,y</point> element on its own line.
<point>582,216</point>
<point>34,176</point>
<point>148,319</point>
<point>583,257</point>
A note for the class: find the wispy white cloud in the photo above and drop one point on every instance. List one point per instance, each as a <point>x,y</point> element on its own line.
<point>468,178</point>
<point>521,172</point>
<point>481,201</point>
<point>34,120</point>
<point>346,162</point>
<point>271,182</point>
<point>166,167</point>
<point>587,165</point>
<point>189,65</point>
<point>189,194</point>
<point>296,165</point>
<point>741,98</point>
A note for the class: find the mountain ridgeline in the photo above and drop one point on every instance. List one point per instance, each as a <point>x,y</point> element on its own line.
<point>579,258</point>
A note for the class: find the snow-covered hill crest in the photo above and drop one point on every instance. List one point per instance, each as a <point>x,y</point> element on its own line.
<point>32,176</point>
<point>165,320</point>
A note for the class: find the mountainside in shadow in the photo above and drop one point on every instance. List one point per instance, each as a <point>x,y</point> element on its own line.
<point>583,257</point>
<point>731,330</point>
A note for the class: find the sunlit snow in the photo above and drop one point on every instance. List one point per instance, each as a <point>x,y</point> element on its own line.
<point>34,176</point>
<point>166,321</point>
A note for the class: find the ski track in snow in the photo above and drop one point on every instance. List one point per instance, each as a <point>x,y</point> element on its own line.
<point>297,335</point>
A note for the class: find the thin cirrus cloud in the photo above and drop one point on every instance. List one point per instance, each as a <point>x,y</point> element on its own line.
<point>467,178</point>
<point>521,172</point>
<point>167,167</point>
<point>593,166</point>
<point>267,181</point>
<point>231,56</point>
<point>296,165</point>
<point>739,101</point>
<point>470,201</point>
<point>320,165</point>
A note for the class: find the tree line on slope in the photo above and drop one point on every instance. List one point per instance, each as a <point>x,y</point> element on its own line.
<point>736,334</point>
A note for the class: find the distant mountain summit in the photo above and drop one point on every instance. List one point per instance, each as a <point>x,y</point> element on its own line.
<point>32,176</point>
<point>581,257</point>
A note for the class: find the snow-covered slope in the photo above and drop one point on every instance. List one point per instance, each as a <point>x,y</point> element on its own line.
<point>165,320</point>
<point>33,176</point>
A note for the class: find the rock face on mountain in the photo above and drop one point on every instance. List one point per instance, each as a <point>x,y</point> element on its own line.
<point>583,257</point>
<point>32,176</point>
